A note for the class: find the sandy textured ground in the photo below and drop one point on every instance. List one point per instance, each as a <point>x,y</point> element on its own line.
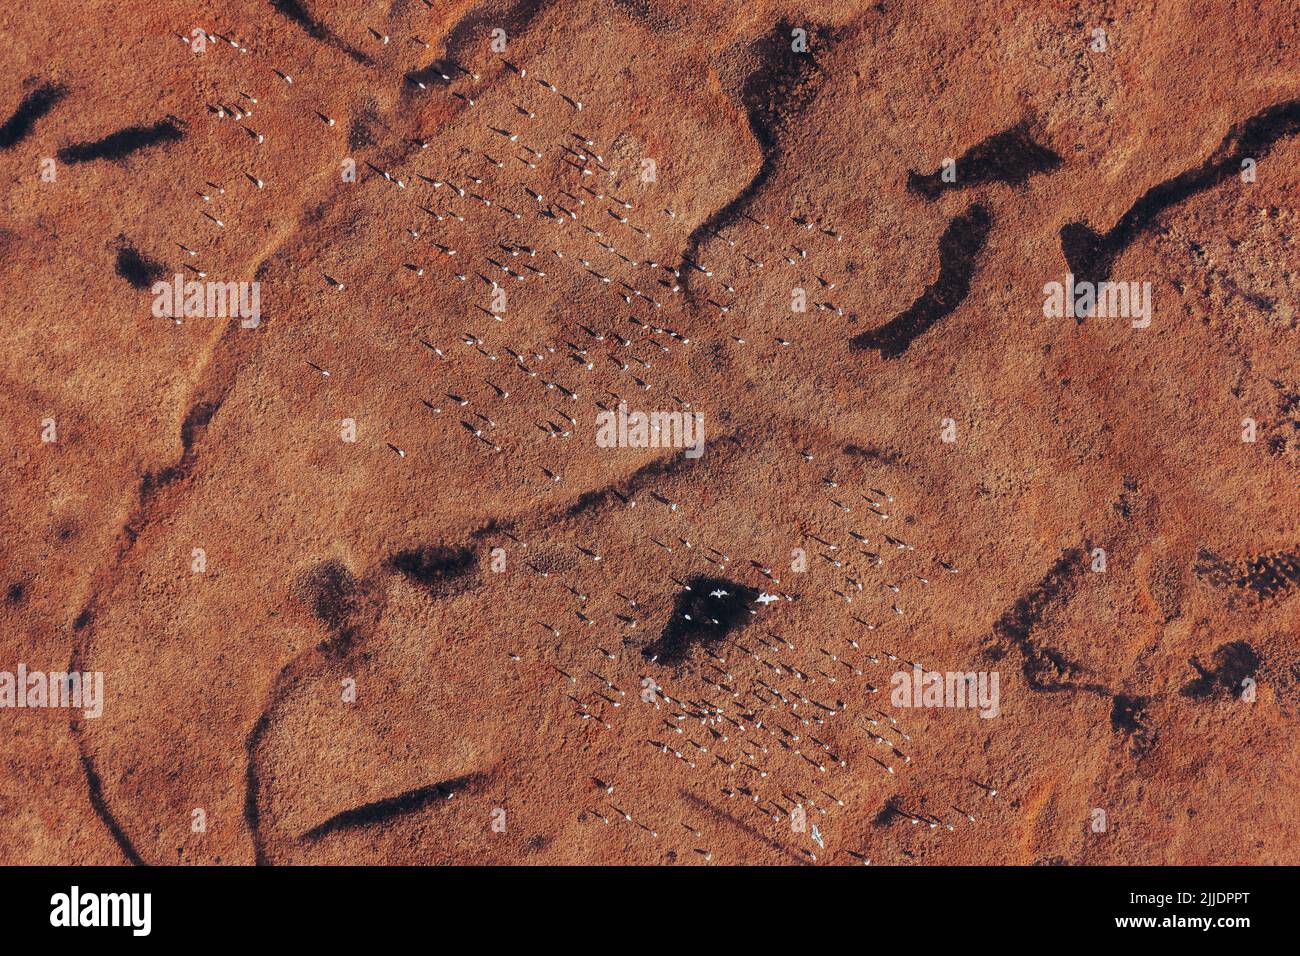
<point>330,562</point>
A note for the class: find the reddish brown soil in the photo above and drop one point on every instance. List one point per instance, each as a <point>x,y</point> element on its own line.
<point>224,688</point>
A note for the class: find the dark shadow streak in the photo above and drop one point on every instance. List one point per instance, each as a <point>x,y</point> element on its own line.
<point>381,811</point>
<point>1044,667</point>
<point>780,84</point>
<point>34,105</point>
<point>1091,254</point>
<point>95,791</point>
<point>1009,157</point>
<point>94,786</point>
<point>317,30</point>
<point>119,145</point>
<point>959,250</point>
<point>721,814</point>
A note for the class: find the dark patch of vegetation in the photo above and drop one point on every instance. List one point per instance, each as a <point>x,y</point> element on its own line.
<point>959,250</point>
<point>34,105</point>
<point>1090,254</point>
<point>119,145</point>
<point>1232,664</point>
<point>1010,157</point>
<point>334,594</point>
<point>704,613</point>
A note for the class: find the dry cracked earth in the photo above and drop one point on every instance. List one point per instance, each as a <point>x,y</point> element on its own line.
<point>362,583</point>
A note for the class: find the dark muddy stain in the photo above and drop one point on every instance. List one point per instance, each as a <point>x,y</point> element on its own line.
<point>1009,157</point>
<point>1128,716</point>
<point>959,250</point>
<point>333,593</point>
<point>701,618</point>
<point>1090,254</point>
<point>137,269</point>
<point>119,145</point>
<point>431,565</point>
<point>34,105</point>
<point>16,594</point>
<point>1046,669</point>
<point>1232,663</point>
<point>390,808</point>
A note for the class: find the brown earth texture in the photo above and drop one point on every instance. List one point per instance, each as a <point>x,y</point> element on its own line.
<point>367,576</point>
